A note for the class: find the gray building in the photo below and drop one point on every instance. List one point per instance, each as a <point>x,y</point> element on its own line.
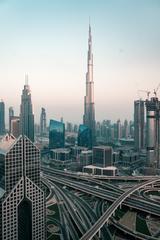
<point>2,118</point>
<point>139,124</point>
<point>26,114</point>
<point>22,200</point>
<point>103,156</point>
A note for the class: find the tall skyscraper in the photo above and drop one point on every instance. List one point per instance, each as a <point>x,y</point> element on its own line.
<point>11,114</point>
<point>153,132</point>
<point>89,108</point>
<point>26,113</point>
<point>22,200</point>
<point>56,134</point>
<point>2,118</point>
<point>139,124</point>
<point>43,124</point>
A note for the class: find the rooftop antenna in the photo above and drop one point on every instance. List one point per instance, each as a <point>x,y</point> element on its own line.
<point>26,79</point>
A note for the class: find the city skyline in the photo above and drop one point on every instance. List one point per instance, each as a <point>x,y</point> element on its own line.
<point>42,39</point>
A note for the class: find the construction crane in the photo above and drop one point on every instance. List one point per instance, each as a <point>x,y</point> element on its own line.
<point>147,92</point>
<point>156,90</point>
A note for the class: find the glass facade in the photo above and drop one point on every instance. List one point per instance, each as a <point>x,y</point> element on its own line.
<point>84,136</point>
<point>56,134</point>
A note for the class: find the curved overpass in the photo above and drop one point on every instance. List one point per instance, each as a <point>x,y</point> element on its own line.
<point>110,211</point>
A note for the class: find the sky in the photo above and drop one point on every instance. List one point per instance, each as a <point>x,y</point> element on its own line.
<point>47,39</point>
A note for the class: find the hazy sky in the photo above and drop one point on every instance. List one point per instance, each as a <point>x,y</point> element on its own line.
<point>48,40</point>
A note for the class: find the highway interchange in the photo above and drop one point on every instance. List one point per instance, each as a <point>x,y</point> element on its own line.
<point>79,220</point>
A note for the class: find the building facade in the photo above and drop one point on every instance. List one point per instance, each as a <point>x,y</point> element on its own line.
<point>15,126</point>
<point>103,156</point>
<point>22,200</point>
<point>89,107</point>
<point>153,132</point>
<point>84,136</point>
<point>56,134</point>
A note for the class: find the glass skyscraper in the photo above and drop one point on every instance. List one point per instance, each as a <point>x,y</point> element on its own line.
<point>56,134</point>
<point>22,200</point>
<point>84,136</point>
<point>2,118</point>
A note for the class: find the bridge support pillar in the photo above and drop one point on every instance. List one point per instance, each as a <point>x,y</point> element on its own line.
<point>99,233</point>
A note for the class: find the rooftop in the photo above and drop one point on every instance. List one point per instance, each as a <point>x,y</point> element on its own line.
<point>6,142</point>
<point>104,168</point>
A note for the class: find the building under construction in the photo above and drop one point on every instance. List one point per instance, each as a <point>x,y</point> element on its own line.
<point>153,132</point>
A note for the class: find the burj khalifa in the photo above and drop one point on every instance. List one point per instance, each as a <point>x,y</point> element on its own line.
<point>89,107</point>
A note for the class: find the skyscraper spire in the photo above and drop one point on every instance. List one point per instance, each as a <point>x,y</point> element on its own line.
<point>89,111</point>
<point>26,79</point>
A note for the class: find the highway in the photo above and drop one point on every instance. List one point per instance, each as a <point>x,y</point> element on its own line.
<point>132,202</point>
<point>109,212</point>
<point>98,188</point>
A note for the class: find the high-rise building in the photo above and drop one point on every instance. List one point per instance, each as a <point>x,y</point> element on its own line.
<point>56,134</point>
<point>153,132</point>
<point>126,129</point>
<point>103,156</point>
<point>11,114</point>
<point>2,118</point>
<point>118,129</point>
<point>15,126</point>
<point>43,124</point>
<point>84,136</point>
<point>26,113</point>
<point>89,108</point>
<point>22,200</point>
<point>139,124</point>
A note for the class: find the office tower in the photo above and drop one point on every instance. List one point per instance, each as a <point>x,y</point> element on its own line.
<point>43,124</point>
<point>56,134</point>
<point>11,114</point>
<point>89,109</point>
<point>2,118</point>
<point>118,129</point>
<point>126,129</point>
<point>26,113</point>
<point>152,132</point>
<point>139,125</point>
<point>22,201</point>
<point>103,156</point>
<point>84,136</point>
<point>15,126</point>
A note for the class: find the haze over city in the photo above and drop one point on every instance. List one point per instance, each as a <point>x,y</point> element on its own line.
<point>48,41</point>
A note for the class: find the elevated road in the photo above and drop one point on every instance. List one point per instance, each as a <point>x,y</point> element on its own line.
<point>110,211</point>
<point>136,203</point>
